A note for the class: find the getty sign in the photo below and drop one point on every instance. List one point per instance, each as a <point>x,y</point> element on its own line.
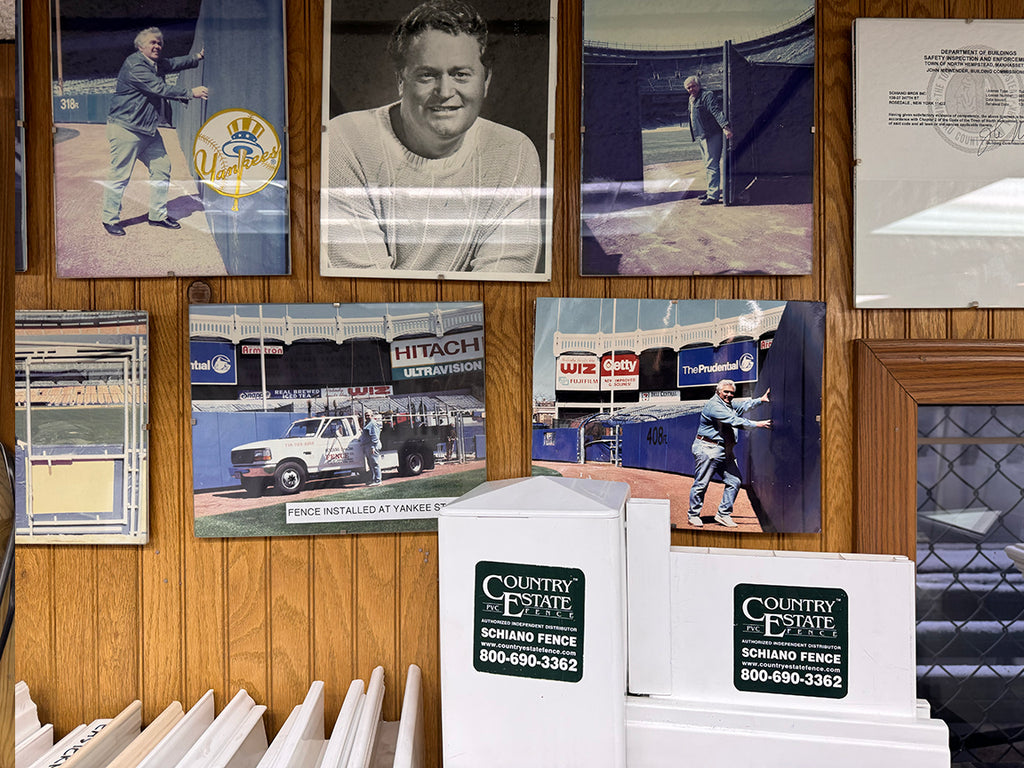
<point>708,365</point>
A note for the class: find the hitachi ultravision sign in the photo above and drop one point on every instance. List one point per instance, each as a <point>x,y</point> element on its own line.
<point>423,358</point>
<point>213,362</point>
<point>701,366</point>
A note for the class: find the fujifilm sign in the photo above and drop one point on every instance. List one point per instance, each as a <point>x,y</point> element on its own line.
<point>709,365</point>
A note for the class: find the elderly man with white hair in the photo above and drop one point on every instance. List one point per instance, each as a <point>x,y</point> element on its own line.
<point>713,450</point>
<point>708,124</point>
<point>141,104</point>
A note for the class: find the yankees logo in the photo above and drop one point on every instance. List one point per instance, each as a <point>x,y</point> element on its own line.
<point>237,153</point>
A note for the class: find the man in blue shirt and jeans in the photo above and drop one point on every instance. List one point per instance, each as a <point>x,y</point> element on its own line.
<point>713,449</point>
<point>370,439</point>
<point>140,105</point>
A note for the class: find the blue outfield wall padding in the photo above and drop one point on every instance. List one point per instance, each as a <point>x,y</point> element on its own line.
<point>253,239</point>
<point>82,108</point>
<point>475,433</point>
<point>561,444</point>
<point>665,444</point>
<point>782,468</point>
<point>215,434</point>
<point>599,452</point>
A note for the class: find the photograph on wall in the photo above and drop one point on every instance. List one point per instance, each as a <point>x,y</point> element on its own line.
<point>334,418</point>
<point>170,152</point>
<point>438,139</point>
<point>81,415</point>
<point>714,405</point>
<point>939,171</point>
<point>20,223</point>
<point>698,137</point>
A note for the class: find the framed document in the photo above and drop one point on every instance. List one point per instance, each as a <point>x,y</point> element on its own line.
<point>939,174</point>
<point>438,127</point>
<point>698,137</point>
<point>170,151</point>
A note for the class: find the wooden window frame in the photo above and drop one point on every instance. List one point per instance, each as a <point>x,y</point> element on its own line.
<point>892,378</point>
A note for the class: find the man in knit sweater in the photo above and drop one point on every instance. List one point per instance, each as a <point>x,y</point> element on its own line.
<point>425,185</point>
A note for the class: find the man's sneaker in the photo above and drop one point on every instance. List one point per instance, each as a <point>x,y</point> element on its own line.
<point>695,521</point>
<point>725,520</point>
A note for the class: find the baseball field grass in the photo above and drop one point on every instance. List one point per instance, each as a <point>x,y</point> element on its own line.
<point>53,425</point>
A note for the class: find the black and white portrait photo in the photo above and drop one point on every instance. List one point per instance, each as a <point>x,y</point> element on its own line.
<point>436,158</point>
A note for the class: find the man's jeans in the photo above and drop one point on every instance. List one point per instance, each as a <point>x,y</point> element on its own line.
<point>711,153</point>
<point>125,148</point>
<point>710,458</point>
<point>373,461</point>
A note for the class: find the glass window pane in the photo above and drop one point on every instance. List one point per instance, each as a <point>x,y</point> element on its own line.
<point>970,596</point>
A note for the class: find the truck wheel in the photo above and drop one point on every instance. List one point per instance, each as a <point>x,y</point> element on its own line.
<point>253,486</point>
<point>412,463</point>
<point>289,477</point>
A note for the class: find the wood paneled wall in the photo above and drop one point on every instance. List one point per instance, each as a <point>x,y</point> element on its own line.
<point>98,627</point>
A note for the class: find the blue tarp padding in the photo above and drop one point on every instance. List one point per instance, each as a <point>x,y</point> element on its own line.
<point>783,466</point>
<point>475,434</point>
<point>560,444</point>
<point>599,451</point>
<point>666,444</point>
<point>771,109</point>
<point>612,144</point>
<point>215,434</point>
<point>244,69</point>
<point>39,452</point>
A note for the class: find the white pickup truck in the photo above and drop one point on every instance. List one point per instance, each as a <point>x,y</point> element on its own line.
<point>327,446</point>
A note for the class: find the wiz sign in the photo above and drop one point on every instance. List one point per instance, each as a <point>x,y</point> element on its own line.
<point>577,372</point>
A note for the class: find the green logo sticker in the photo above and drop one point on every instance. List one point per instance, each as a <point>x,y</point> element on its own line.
<point>528,621</point>
<point>792,640</point>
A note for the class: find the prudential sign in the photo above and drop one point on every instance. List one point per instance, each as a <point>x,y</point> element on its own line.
<point>213,362</point>
<point>709,365</point>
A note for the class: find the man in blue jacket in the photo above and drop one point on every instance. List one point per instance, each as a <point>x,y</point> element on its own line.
<point>707,125</point>
<point>713,449</point>
<point>140,105</point>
